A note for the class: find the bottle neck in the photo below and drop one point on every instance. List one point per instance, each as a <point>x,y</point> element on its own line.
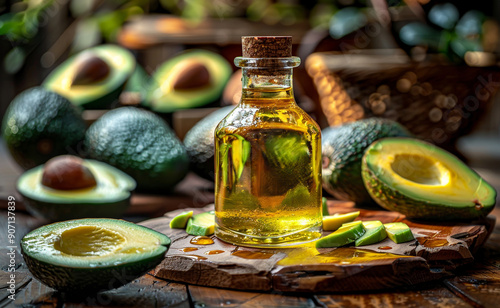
<point>267,83</point>
<point>267,79</point>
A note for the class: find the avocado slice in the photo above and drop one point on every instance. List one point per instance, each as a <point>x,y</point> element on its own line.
<point>192,79</point>
<point>110,197</point>
<point>90,255</point>
<point>399,232</point>
<point>333,222</point>
<point>347,233</point>
<point>102,93</point>
<point>39,125</point>
<point>201,224</point>
<point>343,148</point>
<point>423,181</point>
<point>180,221</point>
<point>199,142</point>
<point>141,144</point>
<point>375,232</point>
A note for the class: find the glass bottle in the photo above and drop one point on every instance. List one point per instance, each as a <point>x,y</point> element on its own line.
<point>267,155</point>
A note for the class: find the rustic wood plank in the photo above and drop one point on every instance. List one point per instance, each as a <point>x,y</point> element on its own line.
<point>211,297</point>
<point>435,295</point>
<point>437,247</point>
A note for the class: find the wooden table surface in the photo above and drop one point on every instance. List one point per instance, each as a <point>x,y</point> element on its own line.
<point>473,285</point>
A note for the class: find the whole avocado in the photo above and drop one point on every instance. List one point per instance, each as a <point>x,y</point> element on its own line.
<point>342,150</point>
<point>40,124</point>
<point>199,142</point>
<point>141,144</point>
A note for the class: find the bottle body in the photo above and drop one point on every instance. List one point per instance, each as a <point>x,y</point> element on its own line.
<point>268,171</point>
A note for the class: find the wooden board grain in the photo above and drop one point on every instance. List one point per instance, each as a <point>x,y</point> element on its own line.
<point>437,249</point>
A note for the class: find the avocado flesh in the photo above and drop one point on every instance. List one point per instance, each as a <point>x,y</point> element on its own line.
<point>423,181</point>
<point>201,224</point>
<point>346,234</point>
<point>342,150</point>
<point>164,98</point>
<point>180,221</point>
<point>333,222</point>
<point>399,232</point>
<point>92,254</point>
<point>109,198</point>
<point>375,232</point>
<point>98,95</point>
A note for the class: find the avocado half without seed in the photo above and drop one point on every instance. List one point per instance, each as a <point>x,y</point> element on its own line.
<point>67,187</point>
<point>91,255</point>
<point>93,78</point>
<point>192,79</point>
<point>424,181</point>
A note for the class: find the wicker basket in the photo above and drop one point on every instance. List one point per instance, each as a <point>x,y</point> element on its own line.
<point>436,101</point>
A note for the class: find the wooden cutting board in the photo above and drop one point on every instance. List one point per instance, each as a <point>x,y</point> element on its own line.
<point>438,249</point>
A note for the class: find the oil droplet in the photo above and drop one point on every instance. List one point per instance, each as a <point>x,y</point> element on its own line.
<point>214,252</point>
<point>195,257</point>
<point>201,240</point>
<point>187,249</point>
<point>432,242</point>
<point>247,254</point>
<point>385,247</point>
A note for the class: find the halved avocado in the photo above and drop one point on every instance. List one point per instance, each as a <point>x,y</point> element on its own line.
<point>192,79</point>
<point>424,181</point>
<point>100,93</point>
<point>90,255</point>
<point>110,197</point>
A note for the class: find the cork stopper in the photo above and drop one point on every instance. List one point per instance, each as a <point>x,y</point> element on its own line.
<point>266,46</point>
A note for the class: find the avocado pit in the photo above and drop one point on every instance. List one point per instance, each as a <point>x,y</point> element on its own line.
<point>67,172</point>
<point>91,69</point>
<point>193,75</point>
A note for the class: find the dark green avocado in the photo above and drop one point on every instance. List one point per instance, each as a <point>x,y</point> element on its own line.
<point>343,148</point>
<point>103,72</point>
<point>91,255</point>
<point>40,124</point>
<point>423,181</point>
<point>108,197</point>
<point>192,79</point>
<point>141,144</point>
<point>199,142</point>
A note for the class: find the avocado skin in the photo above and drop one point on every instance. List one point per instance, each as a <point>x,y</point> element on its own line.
<point>65,211</point>
<point>392,200</point>
<point>199,142</point>
<point>41,117</point>
<point>343,148</point>
<point>141,144</point>
<point>89,280</point>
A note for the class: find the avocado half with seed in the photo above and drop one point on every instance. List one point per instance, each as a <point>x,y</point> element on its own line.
<point>192,79</point>
<point>93,78</point>
<point>68,187</point>
<point>91,255</point>
<point>424,181</point>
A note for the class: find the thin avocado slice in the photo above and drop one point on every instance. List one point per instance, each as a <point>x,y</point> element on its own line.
<point>110,197</point>
<point>423,181</point>
<point>180,221</point>
<point>86,255</point>
<point>333,222</point>
<point>164,97</point>
<point>98,95</point>
<point>346,234</point>
<point>375,232</point>
<point>201,224</point>
<point>324,205</point>
<point>399,232</point>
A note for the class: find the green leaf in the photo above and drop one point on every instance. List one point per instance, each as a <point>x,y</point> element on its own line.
<point>417,33</point>
<point>14,60</point>
<point>460,46</point>
<point>346,21</point>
